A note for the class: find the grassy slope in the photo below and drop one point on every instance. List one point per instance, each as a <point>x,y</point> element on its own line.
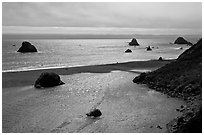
<point>181,78</point>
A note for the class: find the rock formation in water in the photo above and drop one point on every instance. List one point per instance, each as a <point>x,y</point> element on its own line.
<point>128,51</point>
<point>181,78</point>
<point>134,42</point>
<point>48,79</point>
<point>94,113</point>
<point>160,59</point>
<point>27,47</point>
<point>181,40</point>
<point>149,48</point>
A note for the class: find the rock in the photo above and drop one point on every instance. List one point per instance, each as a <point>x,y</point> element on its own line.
<point>181,40</point>
<point>94,113</point>
<point>149,48</point>
<point>180,75</point>
<point>178,110</point>
<point>160,59</point>
<point>27,47</point>
<point>48,79</point>
<point>140,78</point>
<point>159,127</point>
<point>128,51</point>
<point>134,42</point>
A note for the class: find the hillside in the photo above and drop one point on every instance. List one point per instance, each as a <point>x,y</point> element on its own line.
<point>181,78</point>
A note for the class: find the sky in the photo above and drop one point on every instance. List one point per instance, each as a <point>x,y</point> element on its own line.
<point>126,16</point>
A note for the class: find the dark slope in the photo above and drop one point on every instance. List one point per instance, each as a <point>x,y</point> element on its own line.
<point>181,78</point>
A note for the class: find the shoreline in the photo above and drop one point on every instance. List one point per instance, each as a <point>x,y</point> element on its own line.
<point>26,69</point>
<point>23,78</point>
<point>125,107</point>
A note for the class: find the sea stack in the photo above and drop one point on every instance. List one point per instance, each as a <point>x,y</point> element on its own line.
<point>181,40</point>
<point>134,42</point>
<point>27,47</point>
<point>48,79</point>
<point>128,51</point>
<point>149,48</point>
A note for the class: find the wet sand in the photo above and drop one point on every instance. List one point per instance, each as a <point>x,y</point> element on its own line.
<point>24,78</point>
<point>126,107</point>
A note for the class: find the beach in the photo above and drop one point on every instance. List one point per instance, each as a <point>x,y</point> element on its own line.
<point>108,67</point>
<point>126,107</point>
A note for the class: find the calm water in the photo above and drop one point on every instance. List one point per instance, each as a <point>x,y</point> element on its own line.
<point>75,52</point>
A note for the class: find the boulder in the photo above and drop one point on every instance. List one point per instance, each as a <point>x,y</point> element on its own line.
<point>27,47</point>
<point>181,40</point>
<point>149,48</point>
<point>128,51</point>
<point>134,42</point>
<point>48,79</point>
<point>94,113</point>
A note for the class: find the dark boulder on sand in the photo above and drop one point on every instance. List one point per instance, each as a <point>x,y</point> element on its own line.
<point>27,47</point>
<point>128,51</point>
<point>48,79</point>
<point>94,113</point>
<point>181,40</point>
<point>134,42</point>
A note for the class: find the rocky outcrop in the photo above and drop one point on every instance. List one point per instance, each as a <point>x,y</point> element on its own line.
<point>192,53</point>
<point>48,79</point>
<point>128,51</point>
<point>160,59</point>
<point>94,113</point>
<point>27,47</point>
<point>181,40</point>
<point>181,78</point>
<point>134,42</point>
<point>149,48</point>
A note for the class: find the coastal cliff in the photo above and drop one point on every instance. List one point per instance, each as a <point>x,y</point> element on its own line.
<point>182,79</point>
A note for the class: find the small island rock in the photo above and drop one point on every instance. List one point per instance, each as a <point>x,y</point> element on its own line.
<point>134,42</point>
<point>181,40</point>
<point>27,47</point>
<point>48,79</point>
<point>149,48</point>
<point>128,51</point>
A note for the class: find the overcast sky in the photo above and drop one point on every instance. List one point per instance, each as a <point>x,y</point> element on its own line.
<point>124,15</point>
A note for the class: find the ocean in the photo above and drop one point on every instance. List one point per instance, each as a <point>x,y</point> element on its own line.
<point>57,53</point>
